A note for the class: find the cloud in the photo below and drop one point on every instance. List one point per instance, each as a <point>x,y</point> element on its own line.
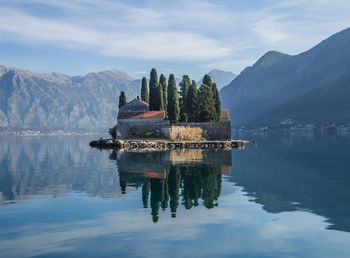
<point>207,32</point>
<point>133,33</point>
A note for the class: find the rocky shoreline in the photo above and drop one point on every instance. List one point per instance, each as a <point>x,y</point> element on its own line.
<point>165,144</point>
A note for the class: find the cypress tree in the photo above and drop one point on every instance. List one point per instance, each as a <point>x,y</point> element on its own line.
<point>173,101</point>
<point>217,102</point>
<point>207,80</point>
<point>184,84</point>
<point>162,81</point>
<point>206,109</point>
<point>158,103</point>
<point>144,90</point>
<point>122,99</point>
<point>153,81</point>
<point>192,102</point>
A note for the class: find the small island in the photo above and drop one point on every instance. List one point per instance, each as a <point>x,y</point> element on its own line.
<point>166,119</point>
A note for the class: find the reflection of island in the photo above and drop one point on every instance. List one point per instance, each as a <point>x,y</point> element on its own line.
<point>55,166</point>
<point>168,178</point>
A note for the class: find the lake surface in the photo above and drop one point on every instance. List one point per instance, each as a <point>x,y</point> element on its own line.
<point>288,195</point>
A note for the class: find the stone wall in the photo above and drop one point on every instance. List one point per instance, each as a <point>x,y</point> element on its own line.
<point>140,128</point>
<point>155,128</point>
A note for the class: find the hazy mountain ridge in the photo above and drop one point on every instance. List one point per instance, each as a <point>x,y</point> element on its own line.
<point>221,78</point>
<point>278,79</point>
<point>53,100</point>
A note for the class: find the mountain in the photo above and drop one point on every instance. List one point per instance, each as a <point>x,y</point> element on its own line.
<point>308,88</point>
<point>58,101</point>
<point>221,78</point>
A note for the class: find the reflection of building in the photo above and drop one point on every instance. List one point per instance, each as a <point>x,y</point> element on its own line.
<point>169,178</point>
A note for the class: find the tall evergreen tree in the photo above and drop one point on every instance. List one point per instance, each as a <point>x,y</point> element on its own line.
<point>158,103</point>
<point>173,100</point>
<point>184,84</point>
<point>217,102</point>
<point>122,99</point>
<point>153,81</point>
<point>207,80</point>
<point>144,90</point>
<point>192,102</point>
<point>162,81</point>
<point>206,109</point>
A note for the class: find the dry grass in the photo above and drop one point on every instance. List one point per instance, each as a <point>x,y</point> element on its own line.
<point>187,133</point>
<point>184,156</point>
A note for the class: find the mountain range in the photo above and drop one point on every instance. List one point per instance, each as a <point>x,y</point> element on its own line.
<point>280,89</point>
<point>57,101</point>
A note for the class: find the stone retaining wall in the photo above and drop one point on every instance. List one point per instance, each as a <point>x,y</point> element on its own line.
<point>162,129</point>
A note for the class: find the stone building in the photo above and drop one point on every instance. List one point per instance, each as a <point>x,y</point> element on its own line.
<point>136,121</point>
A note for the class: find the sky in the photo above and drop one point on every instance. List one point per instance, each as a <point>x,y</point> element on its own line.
<point>191,37</point>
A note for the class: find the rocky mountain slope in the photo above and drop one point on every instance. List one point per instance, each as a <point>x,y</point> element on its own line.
<point>305,88</point>
<point>58,101</point>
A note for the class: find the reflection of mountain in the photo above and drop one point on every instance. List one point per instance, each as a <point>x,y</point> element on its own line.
<point>170,177</point>
<point>53,166</point>
<point>298,174</point>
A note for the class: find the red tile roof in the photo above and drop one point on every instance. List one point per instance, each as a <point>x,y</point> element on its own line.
<point>143,102</point>
<point>142,115</point>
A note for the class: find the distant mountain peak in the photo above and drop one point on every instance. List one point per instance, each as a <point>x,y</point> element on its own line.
<point>308,87</point>
<point>3,69</point>
<point>220,77</point>
<point>270,58</point>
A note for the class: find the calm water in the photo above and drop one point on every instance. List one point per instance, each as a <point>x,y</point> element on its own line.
<point>288,195</point>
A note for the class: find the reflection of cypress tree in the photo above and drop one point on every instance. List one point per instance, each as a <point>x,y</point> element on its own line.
<point>187,184</point>
<point>145,194</point>
<point>211,185</point>
<point>174,185</point>
<point>122,184</point>
<point>165,191</point>
<point>195,189</point>
<point>218,183</point>
<point>157,196</point>
<point>113,155</point>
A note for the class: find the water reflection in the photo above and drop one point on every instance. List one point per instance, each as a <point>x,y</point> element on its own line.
<point>59,165</point>
<point>53,166</point>
<point>298,172</point>
<point>282,173</point>
<point>171,178</point>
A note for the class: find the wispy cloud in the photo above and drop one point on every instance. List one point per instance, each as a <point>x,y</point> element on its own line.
<point>131,32</point>
<point>206,32</point>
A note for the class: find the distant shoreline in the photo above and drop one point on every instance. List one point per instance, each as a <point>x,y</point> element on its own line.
<point>47,132</point>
